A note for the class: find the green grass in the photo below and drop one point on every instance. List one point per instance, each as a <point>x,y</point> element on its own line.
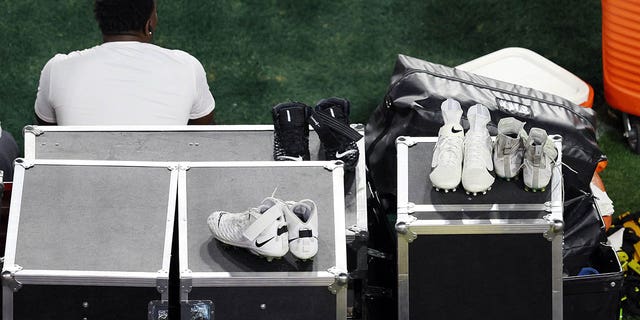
<point>261,52</point>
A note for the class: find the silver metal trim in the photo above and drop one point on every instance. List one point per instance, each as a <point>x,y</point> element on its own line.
<point>29,142</point>
<point>556,275</point>
<point>339,218</point>
<point>263,279</point>
<point>402,154</point>
<point>477,207</point>
<point>470,226</point>
<point>361,184</point>
<point>341,304</point>
<point>100,163</point>
<point>7,302</point>
<point>89,278</point>
<point>185,273</point>
<point>171,213</point>
<point>240,164</point>
<point>557,186</point>
<point>403,278</point>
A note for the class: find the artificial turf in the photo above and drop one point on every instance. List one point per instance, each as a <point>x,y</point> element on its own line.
<point>261,52</point>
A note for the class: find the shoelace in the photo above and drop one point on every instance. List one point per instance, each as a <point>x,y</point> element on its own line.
<point>476,146</point>
<point>450,148</point>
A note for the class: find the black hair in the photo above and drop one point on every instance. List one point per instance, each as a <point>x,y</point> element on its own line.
<point>120,16</point>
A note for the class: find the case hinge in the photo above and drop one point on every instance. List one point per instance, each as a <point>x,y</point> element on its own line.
<point>9,278</point>
<point>162,283</point>
<point>403,228</point>
<point>340,281</point>
<point>186,283</point>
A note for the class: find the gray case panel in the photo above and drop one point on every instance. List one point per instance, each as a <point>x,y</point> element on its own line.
<point>421,191</point>
<point>158,145</point>
<point>236,189</point>
<point>209,143</point>
<point>94,218</point>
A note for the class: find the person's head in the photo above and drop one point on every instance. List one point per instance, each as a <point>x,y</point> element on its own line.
<point>126,17</point>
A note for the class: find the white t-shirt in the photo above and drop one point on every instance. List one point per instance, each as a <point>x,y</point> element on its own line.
<point>123,83</point>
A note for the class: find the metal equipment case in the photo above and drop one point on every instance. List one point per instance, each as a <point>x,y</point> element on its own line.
<point>187,143</point>
<point>493,256</point>
<point>88,239</point>
<point>240,284</point>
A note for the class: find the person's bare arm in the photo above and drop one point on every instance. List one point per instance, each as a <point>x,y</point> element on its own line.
<point>203,121</point>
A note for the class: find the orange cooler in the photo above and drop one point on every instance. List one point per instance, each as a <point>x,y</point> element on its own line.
<point>621,54</point>
<point>621,63</point>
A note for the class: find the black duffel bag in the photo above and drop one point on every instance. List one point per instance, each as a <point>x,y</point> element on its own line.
<point>411,107</point>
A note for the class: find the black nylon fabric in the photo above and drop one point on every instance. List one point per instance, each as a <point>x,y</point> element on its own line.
<point>411,107</point>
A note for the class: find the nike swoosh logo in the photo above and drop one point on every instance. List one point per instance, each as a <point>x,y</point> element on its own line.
<point>348,152</point>
<point>260,244</point>
<point>298,158</point>
<point>454,130</point>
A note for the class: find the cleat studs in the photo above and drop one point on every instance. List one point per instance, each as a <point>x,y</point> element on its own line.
<point>484,192</point>
<point>446,190</point>
<point>475,194</point>
<point>543,189</point>
<point>269,259</point>
<point>454,190</point>
<point>489,189</point>
<point>438,189</point>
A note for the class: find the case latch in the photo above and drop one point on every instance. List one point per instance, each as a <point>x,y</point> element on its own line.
<point>341,280</point>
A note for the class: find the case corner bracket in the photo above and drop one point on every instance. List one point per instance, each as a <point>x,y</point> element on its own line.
<point>408,141</point>
<point>404,230</point>
<point>556,227</point>
<point>32,129</point>
<point>340,281</point>
<point>8,277</point>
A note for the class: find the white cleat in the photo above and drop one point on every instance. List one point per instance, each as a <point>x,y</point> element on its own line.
<point>478,165</point>
<point>261,230</point>
<point>302,223</point>
<point>508,151</point>
<point>539,157</point>
<point>446,164</point>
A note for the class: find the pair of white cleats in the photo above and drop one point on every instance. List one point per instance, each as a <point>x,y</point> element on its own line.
<point>463,158</point>
<point>470,158</point>
<point>533,153</point>
<point>270,230</point>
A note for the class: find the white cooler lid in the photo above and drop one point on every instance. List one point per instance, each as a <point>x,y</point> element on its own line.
<point>526,68</point>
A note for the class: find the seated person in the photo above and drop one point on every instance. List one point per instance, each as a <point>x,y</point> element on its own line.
<point>126,80</point>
